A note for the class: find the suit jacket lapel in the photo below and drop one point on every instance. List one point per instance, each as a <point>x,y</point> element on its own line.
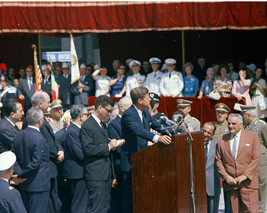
<point>242,142</point>
<point>228,145</point>
<point>49,127</point>
<point>103,131</point>
<point>136,113</point>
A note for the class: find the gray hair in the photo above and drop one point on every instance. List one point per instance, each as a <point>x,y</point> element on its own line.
<point>253,112</point>
<point>76,111</point>
<point>37,97</point>
<point>210,69</point>
<point>189,64</point>
<point>236,115</point>
<point>34,116</point>
<point>124,102</point>
<point>4,172</point>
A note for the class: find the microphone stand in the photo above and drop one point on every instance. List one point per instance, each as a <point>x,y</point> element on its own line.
<point>166,129</point>
<point>192,188</point>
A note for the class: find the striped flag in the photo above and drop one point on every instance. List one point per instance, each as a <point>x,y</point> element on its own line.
<point>54,86</point>
<point>37,71</point>
<point>75,72</point>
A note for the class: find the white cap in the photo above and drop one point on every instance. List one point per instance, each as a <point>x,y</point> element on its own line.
<point>154,60</point>
<point>7,160</point>
<point>170,61</point>
<point>65,65</point>
<point>44,67</point>
<point>135,63</point>
<point>83,66</point>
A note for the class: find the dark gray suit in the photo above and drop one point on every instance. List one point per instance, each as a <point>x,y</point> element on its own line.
<point>212,178</point>
<point>67,96</point>
<point>23,89</point>
<point>46,86</point>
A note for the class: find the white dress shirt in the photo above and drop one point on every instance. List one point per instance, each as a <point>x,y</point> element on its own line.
<point>237,142</point>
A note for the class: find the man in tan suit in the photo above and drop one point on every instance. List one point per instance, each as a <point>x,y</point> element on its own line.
<point>238,159</point>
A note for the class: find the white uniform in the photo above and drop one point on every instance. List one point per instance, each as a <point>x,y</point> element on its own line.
<point>171,84</point>
<point>152,82</point>
<point>134,81</point>
<point>102,84</point>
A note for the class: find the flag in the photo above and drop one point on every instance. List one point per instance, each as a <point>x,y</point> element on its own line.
<point>54,86</point>
<point>37,71</point>
<point>75,73</point>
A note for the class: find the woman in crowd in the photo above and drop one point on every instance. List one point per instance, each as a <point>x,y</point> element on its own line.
<point>258,90</point>
<point>241,86</point>
<point>117,83</point>
<point>207,85</point>
<point>22,72</point>
<point>223,84</point>
<point>101,82</point>
<point>191,83</point>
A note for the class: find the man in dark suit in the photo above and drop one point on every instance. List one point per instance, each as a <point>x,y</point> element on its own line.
<point>213,187</point>
<point>10,199</point>
<point>83,88</point>
<point>41,100</point>
<point>238,159</point>
<point>96,149</point>
<point>64,83</point>
<point>46,83</point>
<point>26,88</point>
<point>32,153</point>
<point>13,112</point>
<point>73,162</point>
<point>136,123</point>
<point>114,132</point>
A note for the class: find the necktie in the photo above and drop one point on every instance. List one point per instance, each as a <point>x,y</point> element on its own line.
<point>103,125</point>
<point>45,81</point>
<point>234,147</point>
<point>29,83</point>
<point>155,75</point>
<point>143,117</point>
<point>206,150</point>
<point>170,75</point>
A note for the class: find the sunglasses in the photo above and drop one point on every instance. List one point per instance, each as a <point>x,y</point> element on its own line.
<point>108,110</point>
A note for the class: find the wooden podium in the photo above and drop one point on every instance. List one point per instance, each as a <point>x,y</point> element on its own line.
<point>161,176</point>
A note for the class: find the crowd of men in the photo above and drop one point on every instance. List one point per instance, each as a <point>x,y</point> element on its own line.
<point>68,157</point>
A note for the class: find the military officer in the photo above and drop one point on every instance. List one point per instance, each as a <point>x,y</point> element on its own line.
<point>185,106</point>
<point>153,79</point>
<point>56,110</point>
<point>136,79</point>
<point>154,103</point>
<point>10,199</point>
<point>253,123</point>
<point>222,111</point>
<point>171,83</point>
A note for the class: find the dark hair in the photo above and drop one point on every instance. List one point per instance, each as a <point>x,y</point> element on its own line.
<point>76,111</point>
<point>104,101</point>
<point>10,106</point>
<point>248,74</point>
<point>152,103</point>
<point>177,112</point>
<point>211,124</point>
<point>224,66</point>
<point>138,93</point>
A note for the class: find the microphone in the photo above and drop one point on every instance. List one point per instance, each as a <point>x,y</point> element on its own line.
<point>165,120</point>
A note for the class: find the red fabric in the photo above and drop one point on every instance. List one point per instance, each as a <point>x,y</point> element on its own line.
<point>203,110</point>
<point>101,17</point>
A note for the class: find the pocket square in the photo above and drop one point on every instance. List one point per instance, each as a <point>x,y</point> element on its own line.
<point>247,144</point>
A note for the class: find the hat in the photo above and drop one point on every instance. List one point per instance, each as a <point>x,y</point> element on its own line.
<point>170,61</point>
<point>44,67</point>
<point>3,66</point>
<point>56,104</point>
<point>222,107</point>
<point>154,60</point>
<point>83,66</point>
<point>154,96</point>
<point>7,160</point>
<point>135,63</point>
<point>4,78</point>
<point>97,66</point>
<point>245,108</point>
<point>91,109</point>
<point>29,67</point>
<point>128,61</point>
<point>183,102</point>
<point>65,65</point>
<point>252,67</point>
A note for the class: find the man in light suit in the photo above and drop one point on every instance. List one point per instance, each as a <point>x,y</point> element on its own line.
<point>83,88</point>
<point>32,153</point>
<point>26,88</point>
<point>238,159</point>
<point>212,176</point>
<point>96,150</point>
<point>13,112</point>
<point>136,123</point>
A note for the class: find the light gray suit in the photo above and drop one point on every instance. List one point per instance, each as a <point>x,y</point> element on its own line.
<point>212,178</point>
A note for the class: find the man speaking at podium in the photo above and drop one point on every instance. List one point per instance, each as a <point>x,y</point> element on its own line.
<point>136,123</point>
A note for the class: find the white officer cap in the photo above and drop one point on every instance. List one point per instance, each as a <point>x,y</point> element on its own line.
<point>83,66</point>
<point>154,60</point>
<point>7,160</point>
<point>170,61</point>
<point>65,65</point>
<point>135,63</point>
<point>44,67</point>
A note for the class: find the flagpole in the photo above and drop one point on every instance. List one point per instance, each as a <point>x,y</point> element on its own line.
<point>39,49</point>
<point>35,65</point>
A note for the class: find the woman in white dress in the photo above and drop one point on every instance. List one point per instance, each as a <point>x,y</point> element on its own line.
<point>101,82</point>
<point>258,90</point>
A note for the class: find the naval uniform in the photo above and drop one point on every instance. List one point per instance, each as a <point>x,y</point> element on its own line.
<point>134,81</point>
<point>152,82</point>
<point>192,123</point>
<point>171,83</point>
<point>260,127</point>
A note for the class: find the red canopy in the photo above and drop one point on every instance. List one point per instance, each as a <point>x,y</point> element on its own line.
<point>102,17</point>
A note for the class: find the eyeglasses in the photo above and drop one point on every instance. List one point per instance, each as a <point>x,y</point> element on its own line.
<point>108,110</point>
<point>65,68</point>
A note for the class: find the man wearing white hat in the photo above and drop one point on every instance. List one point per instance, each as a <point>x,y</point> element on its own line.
<point>136,80</point>
<point>171,83</point>
<point>10,199</point>
<point>153,79</point>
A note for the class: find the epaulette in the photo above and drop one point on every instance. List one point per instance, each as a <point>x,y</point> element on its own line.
<point>11,187</point>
